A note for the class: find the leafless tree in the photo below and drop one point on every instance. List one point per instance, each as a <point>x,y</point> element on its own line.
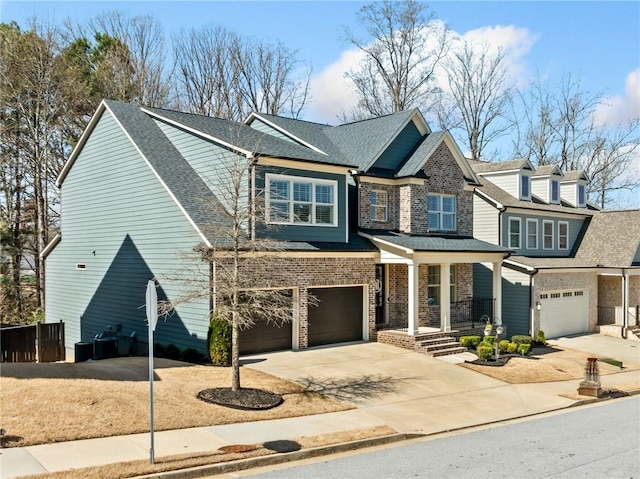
<point>224,75</point>
<point>402,51</point>
<point>478,84</point>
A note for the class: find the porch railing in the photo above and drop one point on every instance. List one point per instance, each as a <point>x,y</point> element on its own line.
<point>471,312</point>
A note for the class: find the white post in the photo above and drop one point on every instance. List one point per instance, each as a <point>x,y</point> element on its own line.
<point>152,320</point>
<point>625,299</point>
<point>497,290</point>
<point>412,298</point>
<point>445,297</point>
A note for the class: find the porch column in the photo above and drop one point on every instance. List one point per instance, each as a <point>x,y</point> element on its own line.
<point>445,297</point>
<point>412,296</point>
<point>497,290</point>
<point>625,299</point>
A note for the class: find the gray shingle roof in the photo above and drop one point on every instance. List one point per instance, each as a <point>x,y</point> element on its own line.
<point>436,243</point>
<point>487,167</point>
<point>420,155</point>
<point>188,188</point>
<point>613,238</point>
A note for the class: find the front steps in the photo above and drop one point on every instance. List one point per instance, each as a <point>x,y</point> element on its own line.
<point>431,344</point>
<point>633,330</point>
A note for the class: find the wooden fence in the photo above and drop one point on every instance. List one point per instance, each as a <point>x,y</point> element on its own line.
<point>41,342</point>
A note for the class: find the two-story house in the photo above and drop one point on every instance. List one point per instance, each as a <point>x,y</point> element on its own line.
<point>575,268</point>
<point>376,219</point>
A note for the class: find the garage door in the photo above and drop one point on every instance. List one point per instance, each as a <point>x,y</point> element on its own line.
<point>338,316</point>
<point>563,313</point>
<point>263,337</point>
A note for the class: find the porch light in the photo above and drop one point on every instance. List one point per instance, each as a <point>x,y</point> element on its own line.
<point>538,305</point>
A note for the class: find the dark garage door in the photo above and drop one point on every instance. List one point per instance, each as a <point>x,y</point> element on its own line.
<point>338,316</point>
<point>263,337</point>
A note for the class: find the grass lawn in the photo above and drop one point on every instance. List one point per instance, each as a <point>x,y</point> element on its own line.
<point>44,403</point>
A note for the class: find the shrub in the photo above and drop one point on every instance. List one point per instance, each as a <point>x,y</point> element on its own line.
<point>172,352</point>
<point>521,339</point>
<point>524,349</point>
<point>484,352</point>
<point>512,348</point>
<point>503,345</point>
<point>540,339</point>
<point>219,341</point>
<point>470,341</point>
<point>489,339</point>
<point>190,355</point>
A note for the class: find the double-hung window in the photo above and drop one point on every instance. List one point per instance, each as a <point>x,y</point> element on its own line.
<point>301,201</point>
<point>532,234</point>
<point>547,234</point>
<point>378,205</point>
<point>563,235</point>
<point>442,212</point>
<point>433,288</point>
<point>514,233</point>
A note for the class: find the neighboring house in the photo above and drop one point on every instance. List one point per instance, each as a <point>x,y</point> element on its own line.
<point>574,269</point>
<point>376,216</point>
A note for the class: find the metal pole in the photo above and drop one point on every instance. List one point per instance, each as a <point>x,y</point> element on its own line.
<point>151,451</point>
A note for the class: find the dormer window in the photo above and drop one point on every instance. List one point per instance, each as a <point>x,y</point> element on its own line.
<point>525,187</point>
<point>581,196</point>
<point>555,191</point>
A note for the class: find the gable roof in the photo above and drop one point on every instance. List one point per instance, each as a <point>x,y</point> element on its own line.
<point>500,166</point>
<point>619,231</point>
<point>548,170</point>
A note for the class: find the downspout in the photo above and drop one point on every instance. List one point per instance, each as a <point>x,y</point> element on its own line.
<point>532,304</point>
<point>252,189</point>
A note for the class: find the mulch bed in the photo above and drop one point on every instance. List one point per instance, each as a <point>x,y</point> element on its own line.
<point>247,399</point>
<point>501,361</point>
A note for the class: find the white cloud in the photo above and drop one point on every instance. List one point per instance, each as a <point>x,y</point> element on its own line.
<point>331,92</point>
<point>620,109</point>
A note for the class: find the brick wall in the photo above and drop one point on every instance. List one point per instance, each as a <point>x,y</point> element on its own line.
<point>305,273</point>
<point>364,191</point>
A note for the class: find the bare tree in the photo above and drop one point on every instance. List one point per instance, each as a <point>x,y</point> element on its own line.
<point>477,79</point>
<point>402,51</point>
<point>560,128</point>
<point>227,76</point>
<point>240,277</point>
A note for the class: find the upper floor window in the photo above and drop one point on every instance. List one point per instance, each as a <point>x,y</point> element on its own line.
<point>532,234</point>
<point>547,234</point>
<point>378,205</point>
<point>581,195</point>
<point>563,235</point>
<point>555,192</point>
<point>514,233</point>
<point>433,288</point>
<point>525,187</point>
<point>442,212</point>
<point>301,201</point>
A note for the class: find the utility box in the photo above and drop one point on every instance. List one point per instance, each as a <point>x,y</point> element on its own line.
<point>82,352</point>
<point>104,348</point>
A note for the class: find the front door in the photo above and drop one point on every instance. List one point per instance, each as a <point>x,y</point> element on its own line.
<point>381,300</point>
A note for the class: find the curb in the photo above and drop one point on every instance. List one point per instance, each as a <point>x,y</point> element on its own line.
<point>272,459</point>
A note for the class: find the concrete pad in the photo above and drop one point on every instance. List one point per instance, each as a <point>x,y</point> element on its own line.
<point>87,452</point>
<point>602,346</point>
<point>180,441</point>
<point>17,461</point>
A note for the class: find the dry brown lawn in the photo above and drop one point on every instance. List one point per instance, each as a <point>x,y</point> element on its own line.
<point>44,403</point>
<point>544,365</point>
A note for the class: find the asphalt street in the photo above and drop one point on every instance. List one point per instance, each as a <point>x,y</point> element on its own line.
<point>596,441</point>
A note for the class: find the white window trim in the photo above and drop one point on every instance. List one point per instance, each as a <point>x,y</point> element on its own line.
<point>567,235</point>
<point>522,196</point>
<point>385,206</point>
<point>519,221</point>
<point>441,212</point>
<point>301,179</point>
<point>545,222</point>
<point>530,222</point>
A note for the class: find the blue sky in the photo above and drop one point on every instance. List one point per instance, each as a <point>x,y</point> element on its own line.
<point>598,42</point>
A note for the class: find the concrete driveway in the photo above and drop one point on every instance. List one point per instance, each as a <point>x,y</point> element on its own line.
<point>410,391</point>
<point>625,350</point>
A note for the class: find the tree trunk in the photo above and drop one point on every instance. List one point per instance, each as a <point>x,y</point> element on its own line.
<point>235,354</point>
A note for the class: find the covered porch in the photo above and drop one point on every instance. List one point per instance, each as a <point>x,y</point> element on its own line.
<point>424,284</point>
<point>618,300</point>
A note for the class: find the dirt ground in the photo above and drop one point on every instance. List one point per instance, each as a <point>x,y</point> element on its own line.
<point>544,365</point>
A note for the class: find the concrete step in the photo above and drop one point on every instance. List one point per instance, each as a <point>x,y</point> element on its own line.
<point>437,341</point>
<point>439,347</point>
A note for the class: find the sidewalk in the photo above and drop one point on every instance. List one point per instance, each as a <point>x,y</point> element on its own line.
<point>436,397</point>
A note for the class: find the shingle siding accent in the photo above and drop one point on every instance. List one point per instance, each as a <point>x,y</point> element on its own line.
<point>305,273</point>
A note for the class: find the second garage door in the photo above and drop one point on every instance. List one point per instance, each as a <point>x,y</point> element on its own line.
<point>338,316</point>
<point>563,313</point>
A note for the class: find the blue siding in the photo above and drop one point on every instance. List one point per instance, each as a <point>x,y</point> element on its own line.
<point>399,148</point>
<point>307,233</point>
<point>575,226</point>
<point>119,221</point>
